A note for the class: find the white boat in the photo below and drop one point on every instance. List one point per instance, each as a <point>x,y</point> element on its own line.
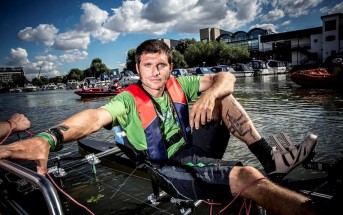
<point>51,86</point>
<point>16,90</point>
<point>239,70</point>
<point>61,86</point>
<point>242,70</point>
<point>276,66</point>
<point>127,77</point>
<point>72,84</point>
<point>29,87</point>
<point>259,67</point>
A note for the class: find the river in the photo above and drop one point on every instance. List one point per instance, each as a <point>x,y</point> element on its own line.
<point>274,103</point>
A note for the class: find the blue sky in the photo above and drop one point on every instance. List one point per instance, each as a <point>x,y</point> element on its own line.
<point>58,35</point>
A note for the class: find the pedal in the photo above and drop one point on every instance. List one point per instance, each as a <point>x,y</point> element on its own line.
<point>92,159</point>
<point>152,199</point>
<point>317,166</point>
<point>57,172</point>
<point>184,205</point>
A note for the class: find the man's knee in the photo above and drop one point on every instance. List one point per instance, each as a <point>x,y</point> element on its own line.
<point>243,177</point>
<point>250,173</point>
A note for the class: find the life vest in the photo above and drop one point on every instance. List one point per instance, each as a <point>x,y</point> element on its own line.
<point>150,121</point>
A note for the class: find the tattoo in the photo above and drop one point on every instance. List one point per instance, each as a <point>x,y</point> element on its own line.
<point>62,127</point>
<point>238,121</point>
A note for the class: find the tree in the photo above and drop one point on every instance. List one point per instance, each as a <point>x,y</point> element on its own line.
<point>183,44</point>
<point>19,80</point>
<point>97,68</point>
<point>130,60</point>
<point>178,60</point>
<point>75,74</point>
<point>214,53</point>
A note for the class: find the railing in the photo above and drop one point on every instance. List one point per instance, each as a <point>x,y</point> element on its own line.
<point>49,193</point>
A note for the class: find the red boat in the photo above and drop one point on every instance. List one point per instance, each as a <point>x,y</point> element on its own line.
<point>316,78</point>
<point>97,92</point>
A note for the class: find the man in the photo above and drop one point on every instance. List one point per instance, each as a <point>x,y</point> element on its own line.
<point>17,122</point>
<point>157,130</point>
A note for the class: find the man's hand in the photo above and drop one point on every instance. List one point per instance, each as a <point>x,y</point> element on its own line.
<point>203,110</point>
<point>213,87</point>
<point>19,122</point>
<point>35,148</point>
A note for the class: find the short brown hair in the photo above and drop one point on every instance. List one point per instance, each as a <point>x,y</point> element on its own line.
<point>153,46</point>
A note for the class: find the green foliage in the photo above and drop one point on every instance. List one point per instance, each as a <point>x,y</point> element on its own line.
<point>183,44</point>
<point>130,60</point>
<point>214,53</point>
<point>178,60</point>
<point>75,74</point>
<point>96,69</point>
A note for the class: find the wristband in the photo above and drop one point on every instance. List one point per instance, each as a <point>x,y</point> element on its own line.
<point>49,138</point>
<point>59,137</point>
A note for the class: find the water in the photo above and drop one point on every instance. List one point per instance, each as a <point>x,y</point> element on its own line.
<point>274,103</point>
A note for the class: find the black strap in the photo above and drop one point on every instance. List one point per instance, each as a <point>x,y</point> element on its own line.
<point>174,139</point>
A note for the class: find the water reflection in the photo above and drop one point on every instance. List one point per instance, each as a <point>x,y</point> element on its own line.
<point>276,104</point>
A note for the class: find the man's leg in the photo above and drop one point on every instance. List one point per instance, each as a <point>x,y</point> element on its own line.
<point>212,138</point>
<point>276,163</point>
<point>272,197</point>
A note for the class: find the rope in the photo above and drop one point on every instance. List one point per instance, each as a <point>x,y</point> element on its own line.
<point>244,203</point>
<point>9,132</point>
<point>66,194</point>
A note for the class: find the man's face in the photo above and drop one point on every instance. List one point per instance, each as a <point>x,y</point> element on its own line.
<point>154,70</point>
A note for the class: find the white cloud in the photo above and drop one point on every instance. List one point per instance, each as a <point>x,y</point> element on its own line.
<point>73,55</point>
<point>270,27</point>
<point>45,65</point>
<point>286,22</point>
<point>127,19</point>
<point>48,57</point>
<point>273,15</point>
<point>338,8</point>
<point>297,8</point>
<point>42,33</point>
<point>72,40</point>
<point>17,57</point>
<point>92,21</point>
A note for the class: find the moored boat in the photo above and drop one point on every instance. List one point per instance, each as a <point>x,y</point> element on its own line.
<point>97,92</point>
<point>72,84</point>
<point>91,88</point>
<point>316,78</point>
<point>260,68</point>
<point>276,66</point>
<point>29,88</point>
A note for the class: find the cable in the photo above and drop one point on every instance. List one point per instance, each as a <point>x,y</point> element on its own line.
<point>9,132</point>
<point>66,194</point>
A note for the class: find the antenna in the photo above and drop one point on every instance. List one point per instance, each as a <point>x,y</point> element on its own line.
<point>40,68</point>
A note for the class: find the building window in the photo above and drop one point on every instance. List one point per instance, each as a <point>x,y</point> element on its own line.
<point>315,40</point>
<point>330,38</point>
<point>330,25</point>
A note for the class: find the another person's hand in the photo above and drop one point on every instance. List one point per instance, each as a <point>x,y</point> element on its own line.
<point>36,149</point>
<point>19,122</point>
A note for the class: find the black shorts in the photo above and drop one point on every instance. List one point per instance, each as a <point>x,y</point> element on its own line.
<point>203,174</point>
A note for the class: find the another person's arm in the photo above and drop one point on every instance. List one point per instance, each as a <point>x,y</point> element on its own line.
<point>212,87</point>
<point>37,148</point>
<point>17,122</point>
